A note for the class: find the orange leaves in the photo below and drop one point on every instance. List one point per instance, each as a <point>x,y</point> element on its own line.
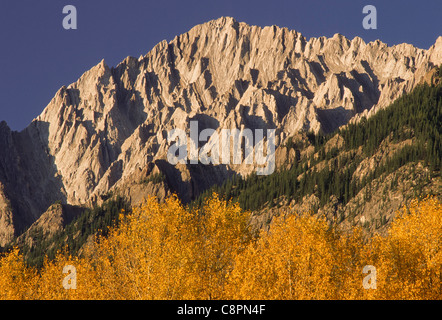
<point>294,260</point>
<point>16,281</point>
<point>165,251</point>
<point>302,258</point>
<point>410,257</point>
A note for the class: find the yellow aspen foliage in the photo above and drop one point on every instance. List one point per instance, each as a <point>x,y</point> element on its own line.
<point>167,251</point>
<point>300,257</point>
<point>50,283</point>
<point>409,258</point>
<point>350,254</point>
<point>222,234</point>
<point>16,280</point>
<point>146,256</point>
<point>164,251</point>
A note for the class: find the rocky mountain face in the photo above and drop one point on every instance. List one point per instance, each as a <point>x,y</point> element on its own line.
<point>107,132</point>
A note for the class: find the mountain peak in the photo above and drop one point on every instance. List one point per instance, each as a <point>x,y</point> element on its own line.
<point>98,133</point>
<point>225,20</point>
<point>436,51</point>
<point>3,124</point>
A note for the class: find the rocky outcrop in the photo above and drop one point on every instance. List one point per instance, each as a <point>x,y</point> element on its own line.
<point>50,222</point>
<point>97,133</point>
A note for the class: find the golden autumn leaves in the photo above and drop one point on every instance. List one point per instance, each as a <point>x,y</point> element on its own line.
<point>165,251</point>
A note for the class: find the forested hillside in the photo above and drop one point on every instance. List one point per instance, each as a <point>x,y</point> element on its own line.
<point>37,244</point>
<point>406,135</point>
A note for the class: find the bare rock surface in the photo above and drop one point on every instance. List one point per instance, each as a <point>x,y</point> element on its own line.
<point>97,134</point>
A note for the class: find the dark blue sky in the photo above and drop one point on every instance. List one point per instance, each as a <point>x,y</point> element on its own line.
<point>38,56</point>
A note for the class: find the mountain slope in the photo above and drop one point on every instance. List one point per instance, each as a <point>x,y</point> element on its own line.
<point>361,174</point>
<point>107,131</point>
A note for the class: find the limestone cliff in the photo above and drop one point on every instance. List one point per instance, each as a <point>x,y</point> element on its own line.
<point>100,133</point>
